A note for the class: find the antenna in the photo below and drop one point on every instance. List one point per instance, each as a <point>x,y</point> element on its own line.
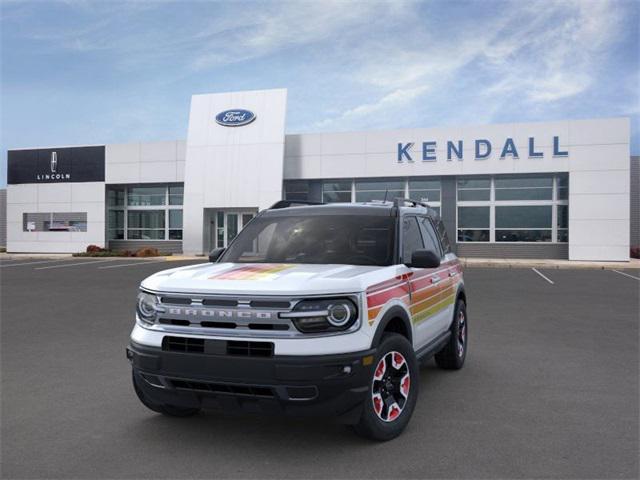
<point>385,195</point>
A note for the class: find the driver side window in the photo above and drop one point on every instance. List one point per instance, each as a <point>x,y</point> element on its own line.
<point>430,237</point>
<point>411,238</point>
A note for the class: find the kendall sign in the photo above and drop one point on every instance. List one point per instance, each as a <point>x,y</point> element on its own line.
<point>482,150</point>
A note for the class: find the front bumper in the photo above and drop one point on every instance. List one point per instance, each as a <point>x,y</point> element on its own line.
<point>326,385</point>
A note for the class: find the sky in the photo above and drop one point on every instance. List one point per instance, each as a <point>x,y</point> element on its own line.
<point>80,72</point>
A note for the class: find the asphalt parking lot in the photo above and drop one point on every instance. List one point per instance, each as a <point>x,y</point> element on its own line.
<point>550,388</point>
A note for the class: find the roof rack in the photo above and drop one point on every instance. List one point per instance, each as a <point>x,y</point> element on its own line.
<point>292,203</point>
<point>399,202</point>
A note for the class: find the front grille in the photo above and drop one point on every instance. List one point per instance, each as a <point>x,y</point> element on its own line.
<point>183,344</point>
<point>218,324</point>
<point>268,326</point>
<point>231,316</point>
<point>282,304</point>
<point>173,321</point>
<point>219,302</point>
<point>248,390</point>
<point>250,349</point>
<point>217,347</point>
<point>176,300</point>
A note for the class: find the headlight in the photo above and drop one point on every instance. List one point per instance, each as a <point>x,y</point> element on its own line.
<point>323,315</point>
<point>146,307</point>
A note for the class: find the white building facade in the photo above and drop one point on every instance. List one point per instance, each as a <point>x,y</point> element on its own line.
<point>518,190</point>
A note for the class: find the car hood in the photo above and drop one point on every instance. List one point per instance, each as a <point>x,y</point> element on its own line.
<point>263,279</point>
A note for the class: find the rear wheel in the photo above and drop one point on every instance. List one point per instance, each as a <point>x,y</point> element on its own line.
<point>453,354</point>
<point>165,409</point>
<point>393,390</point>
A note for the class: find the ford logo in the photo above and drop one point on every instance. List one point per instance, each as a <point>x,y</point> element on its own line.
<point>235,118</point>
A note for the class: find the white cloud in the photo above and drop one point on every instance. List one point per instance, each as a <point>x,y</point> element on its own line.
<point>396,99</point>
<point>538,52</point>
<point>285,25</point>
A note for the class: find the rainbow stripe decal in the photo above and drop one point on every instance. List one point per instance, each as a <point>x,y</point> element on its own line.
<point>417,291</point>
<point>263,271</point>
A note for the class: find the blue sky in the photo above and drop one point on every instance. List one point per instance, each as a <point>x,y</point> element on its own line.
<point>93,72</point>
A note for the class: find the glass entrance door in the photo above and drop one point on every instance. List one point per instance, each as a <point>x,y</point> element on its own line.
<point>226,226</point>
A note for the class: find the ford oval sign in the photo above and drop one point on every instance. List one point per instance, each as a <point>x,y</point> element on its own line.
<point>235,118</point>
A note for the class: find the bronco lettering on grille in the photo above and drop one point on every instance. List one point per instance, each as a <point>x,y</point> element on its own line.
<point>211,313</point>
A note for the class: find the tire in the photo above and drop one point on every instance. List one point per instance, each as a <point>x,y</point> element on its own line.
<point>390,404</point>
<point>453,354</point>
<point>169,410</point>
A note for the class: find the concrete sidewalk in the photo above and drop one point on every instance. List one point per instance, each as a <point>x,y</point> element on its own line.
<point>634,263</point>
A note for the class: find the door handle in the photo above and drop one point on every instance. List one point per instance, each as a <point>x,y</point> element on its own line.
<point>453,274</point>
<point>435,280</point>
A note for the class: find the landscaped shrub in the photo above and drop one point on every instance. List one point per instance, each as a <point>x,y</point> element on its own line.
<point>95,251</point>
<point>147,252</point>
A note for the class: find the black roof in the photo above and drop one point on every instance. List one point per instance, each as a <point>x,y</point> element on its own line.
<point>365,208</point>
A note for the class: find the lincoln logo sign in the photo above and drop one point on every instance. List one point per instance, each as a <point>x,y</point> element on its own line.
<point>482,149</point>
<point>54,162</point>
<point>54,175</point>
<point>235,118</point>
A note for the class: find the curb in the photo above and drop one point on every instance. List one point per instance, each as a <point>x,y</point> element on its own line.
<point>552,265</point>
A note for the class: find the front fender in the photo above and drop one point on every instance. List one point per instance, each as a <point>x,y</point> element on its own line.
<point>393,313</point>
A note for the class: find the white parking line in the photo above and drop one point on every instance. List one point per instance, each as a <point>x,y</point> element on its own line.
<point>546,278</point>
<point>141,262</point>
<point>73,264</point>
<point>31,263</point>
<point>626,275</point>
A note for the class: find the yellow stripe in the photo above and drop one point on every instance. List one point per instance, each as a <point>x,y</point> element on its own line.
<point>444,303</point>
<point>431,297</point>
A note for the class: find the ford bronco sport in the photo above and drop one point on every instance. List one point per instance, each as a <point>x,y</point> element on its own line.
<point>311,310</point>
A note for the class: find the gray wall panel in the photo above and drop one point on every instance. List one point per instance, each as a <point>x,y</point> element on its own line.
<point>3,218</point>
<point>635,201</point>
<point>163,246</point>
<point>511,250</point>
<point>448,209</point>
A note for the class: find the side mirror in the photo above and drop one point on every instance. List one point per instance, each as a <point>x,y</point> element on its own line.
<point>214,255</point>
<point>424,259</point>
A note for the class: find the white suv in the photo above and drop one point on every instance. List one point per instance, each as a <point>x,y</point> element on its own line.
<point>311,310</point>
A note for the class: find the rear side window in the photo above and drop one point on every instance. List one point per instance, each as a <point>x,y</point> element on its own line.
<point>411,238</point>
<point>431,241</point>
<point>444,239</point>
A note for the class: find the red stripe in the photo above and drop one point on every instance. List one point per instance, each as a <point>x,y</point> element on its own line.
<point>378,299</point>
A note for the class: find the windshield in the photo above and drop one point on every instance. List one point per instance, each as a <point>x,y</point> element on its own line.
<point>343,239</point>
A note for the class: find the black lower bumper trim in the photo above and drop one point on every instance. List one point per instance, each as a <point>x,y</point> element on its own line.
<point>327,385</point>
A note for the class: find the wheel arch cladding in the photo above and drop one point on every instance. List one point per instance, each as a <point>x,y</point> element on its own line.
<point>395,320</point>
<point>461,295</point>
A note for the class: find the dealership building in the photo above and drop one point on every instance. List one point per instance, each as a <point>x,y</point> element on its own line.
<point>561,190</point>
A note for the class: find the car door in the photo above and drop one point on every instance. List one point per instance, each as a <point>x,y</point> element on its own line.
<point>423,285</point>
<point>443,310</point>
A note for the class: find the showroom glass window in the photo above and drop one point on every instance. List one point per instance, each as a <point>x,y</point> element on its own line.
<point>426,190</point>
<point>513,208</point>
<point>149,212</point>
<point>296,190</point>
<point>54,222</point>
<point>379,189</point>
<point>336,191</point>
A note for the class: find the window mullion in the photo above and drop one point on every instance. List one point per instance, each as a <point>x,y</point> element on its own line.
<point>492,212</point>
<point>554,212</point>
<point>126,214</point>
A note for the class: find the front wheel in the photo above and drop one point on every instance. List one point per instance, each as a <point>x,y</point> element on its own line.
<point>393,390</point>
<point>452,355</point>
